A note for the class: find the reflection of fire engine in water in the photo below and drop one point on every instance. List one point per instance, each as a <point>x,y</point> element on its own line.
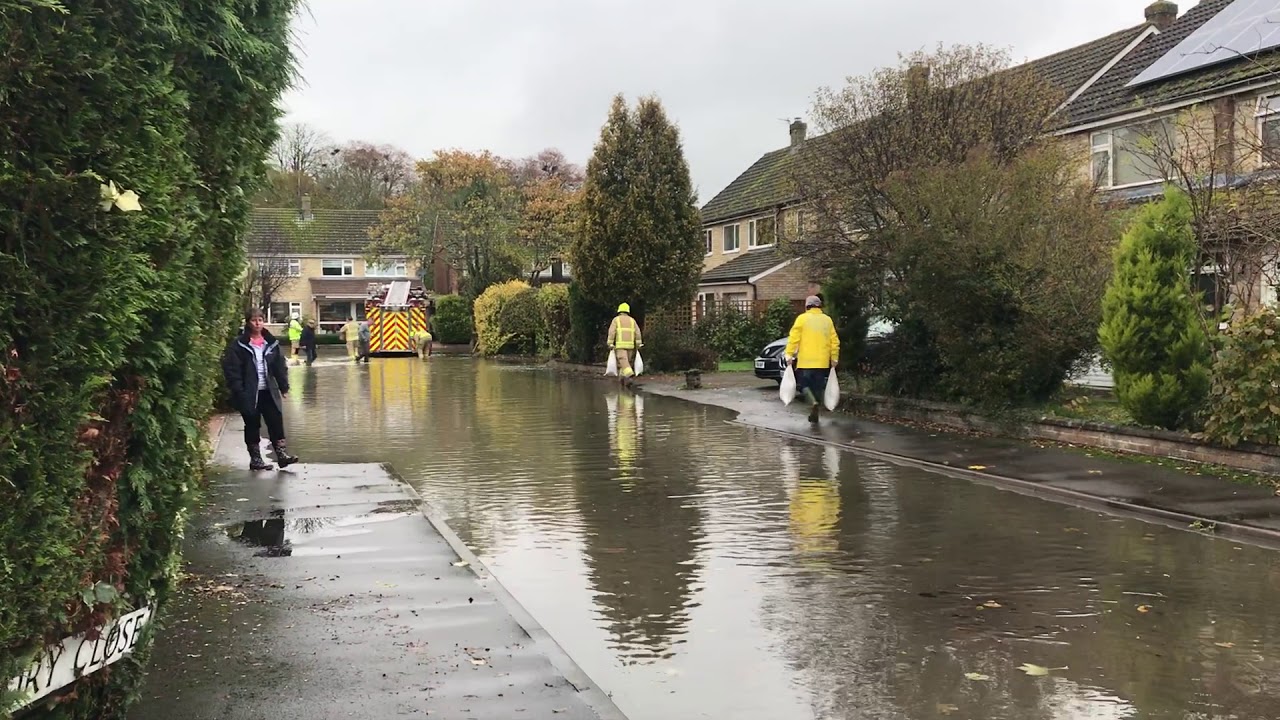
<point>395,311</point>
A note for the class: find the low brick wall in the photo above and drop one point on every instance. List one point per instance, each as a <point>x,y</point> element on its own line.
<point>1159,443</point>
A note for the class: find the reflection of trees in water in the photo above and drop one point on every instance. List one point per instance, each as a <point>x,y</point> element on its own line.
<point>640,531</point>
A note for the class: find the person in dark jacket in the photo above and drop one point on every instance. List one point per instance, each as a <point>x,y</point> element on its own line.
<point>309,341</point>
<point>258,377</point>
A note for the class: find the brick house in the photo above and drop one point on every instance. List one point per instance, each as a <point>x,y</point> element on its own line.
<point>320,254</point>
<point>1177,108</point>
<point>746,224</point>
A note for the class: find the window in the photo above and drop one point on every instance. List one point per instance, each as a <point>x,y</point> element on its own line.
<point>1134,155</point>
<point>337,268</point>
<point>706,240</point>
<point>1269,128</point>
<point>279,313</point>
<point>732,243</point>
<point>761,232</point>
<point>388,268</point>
<point>288,267</point>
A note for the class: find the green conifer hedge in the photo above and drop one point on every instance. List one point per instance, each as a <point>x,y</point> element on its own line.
<point>112,314</point>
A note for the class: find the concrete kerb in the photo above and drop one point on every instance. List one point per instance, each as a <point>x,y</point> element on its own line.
<point>1168,518</point>
<point>591,693</point>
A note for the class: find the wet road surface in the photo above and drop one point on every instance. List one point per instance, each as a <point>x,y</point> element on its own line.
<point>701,569</point>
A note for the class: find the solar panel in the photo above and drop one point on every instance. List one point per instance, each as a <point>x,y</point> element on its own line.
<point>1242,28</point>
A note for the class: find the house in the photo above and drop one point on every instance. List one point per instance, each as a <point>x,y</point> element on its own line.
<point>312,264</point>
<point>1195,101</point>
<point>742,224</point>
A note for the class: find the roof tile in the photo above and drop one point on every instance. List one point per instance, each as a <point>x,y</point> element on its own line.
<point>276,231</point>
<point>741,269</point>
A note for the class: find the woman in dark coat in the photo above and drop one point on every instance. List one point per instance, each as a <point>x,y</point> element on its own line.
<point>258,378</point>
<point>308,341</point>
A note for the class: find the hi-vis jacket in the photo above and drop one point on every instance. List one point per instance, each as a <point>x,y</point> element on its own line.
<point>813,336</point>
<point>624,333</point>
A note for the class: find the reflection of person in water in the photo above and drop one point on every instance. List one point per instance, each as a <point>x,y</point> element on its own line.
<point>815,500</point>
<point>625,416</point>
<point>268,534</point>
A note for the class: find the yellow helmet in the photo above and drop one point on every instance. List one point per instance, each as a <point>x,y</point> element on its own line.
<point>624,308</point>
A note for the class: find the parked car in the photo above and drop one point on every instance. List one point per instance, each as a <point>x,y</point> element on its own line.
<point>768,366</point>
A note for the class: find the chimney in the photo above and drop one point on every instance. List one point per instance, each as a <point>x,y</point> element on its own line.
<point>798,132</point>
<point>917,81</point>
<point>306,207</point>
<point>1161,14</point>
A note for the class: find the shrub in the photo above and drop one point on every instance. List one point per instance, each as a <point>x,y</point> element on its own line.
<point>114,320</point>
<point>555,327</point>
<point>669,349</point>
<point>1244,400</point>
<point>452,320</point>
<point>520,321</point>
<point>588,326</point>
<point>732,334</point>
<point>999,265</point>
<point>1151,330</point>
<point>845,295</point>
<point>778,319</point>
<point>491,338</point>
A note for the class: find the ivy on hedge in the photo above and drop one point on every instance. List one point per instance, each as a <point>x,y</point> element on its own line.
<point>113,321</point>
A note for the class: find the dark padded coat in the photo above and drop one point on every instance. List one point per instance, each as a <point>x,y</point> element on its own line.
<point>241,372</point>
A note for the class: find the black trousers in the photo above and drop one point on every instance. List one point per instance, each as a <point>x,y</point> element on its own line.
<point>265,412</point>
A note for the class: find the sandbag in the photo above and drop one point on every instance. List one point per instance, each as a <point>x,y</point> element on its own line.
<point>611,367</point>
<point>787,389</point>
<point>638,365</point>
<point>831,398</point>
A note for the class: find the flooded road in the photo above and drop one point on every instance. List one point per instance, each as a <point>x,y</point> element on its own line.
<point>698,569</point>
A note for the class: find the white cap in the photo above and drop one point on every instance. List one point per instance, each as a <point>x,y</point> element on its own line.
<point>813,301</point>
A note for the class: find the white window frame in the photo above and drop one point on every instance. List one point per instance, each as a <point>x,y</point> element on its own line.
<point>294,265</point>
<point>347,267</point>
<point>399,268</point>
<point>1268,111</point>
<point>294,307</point>
<point>737,238</point>
<point>1104,141</point>
<point>753,233</point>
<point>708,242</point>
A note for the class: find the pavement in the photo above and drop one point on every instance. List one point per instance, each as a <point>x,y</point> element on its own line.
<point>330,591</point>
<point>1198,499</point>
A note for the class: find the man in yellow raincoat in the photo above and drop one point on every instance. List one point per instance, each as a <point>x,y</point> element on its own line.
<point>624,341</point>
<point>814,350</point>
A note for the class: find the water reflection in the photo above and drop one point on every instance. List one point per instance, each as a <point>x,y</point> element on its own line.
<point>701,569</point>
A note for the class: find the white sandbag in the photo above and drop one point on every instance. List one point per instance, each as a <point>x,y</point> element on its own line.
<point>831,398</point>
<point>787,389</point>
<point>639,364</point>
<point>611,367</point>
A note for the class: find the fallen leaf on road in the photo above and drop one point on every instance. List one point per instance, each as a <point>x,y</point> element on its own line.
<point>461,563</point>
<point>1095,472</point>
<point>1225,644</point>
<point>1034,670</point>
<point>242,499</point>
<point>1144,608</point>
<point>976,676</point>
<point>991,604</point>
<point>947,709</point>
<point>479,661</point>
<point>977,467</point>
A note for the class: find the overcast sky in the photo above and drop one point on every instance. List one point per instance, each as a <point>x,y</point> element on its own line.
<point>516,76</point>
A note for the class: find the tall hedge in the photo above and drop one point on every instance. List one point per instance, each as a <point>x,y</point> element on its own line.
<point>111,321</point>
<point>453,320</point>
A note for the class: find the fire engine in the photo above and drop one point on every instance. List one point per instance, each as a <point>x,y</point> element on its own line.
<point>395,311</point>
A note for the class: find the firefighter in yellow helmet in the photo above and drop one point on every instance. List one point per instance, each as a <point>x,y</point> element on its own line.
<point>624,341</point>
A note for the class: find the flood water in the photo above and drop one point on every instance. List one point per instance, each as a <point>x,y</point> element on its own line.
<point>700,569</point>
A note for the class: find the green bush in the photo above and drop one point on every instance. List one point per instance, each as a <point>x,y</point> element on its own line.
<point>588,326</point>
<point>114,320</point>
<point>673,350</point>
<point>1152,332</point>
<point>452,320</point>
<point>555,326</point>
<point>845,295</point>
<point>1244,399</point>
<point>778,319</point>
<point>732,334</point>
<point>491,337</point>
<point>520,321</point>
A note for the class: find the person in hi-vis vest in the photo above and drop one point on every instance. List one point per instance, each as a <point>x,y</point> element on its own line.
<point>624,340</point>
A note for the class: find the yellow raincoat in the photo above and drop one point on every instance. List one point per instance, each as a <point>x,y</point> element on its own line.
<point>814,337</point>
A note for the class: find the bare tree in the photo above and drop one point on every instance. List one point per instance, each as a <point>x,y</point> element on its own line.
<point>302,152</point>
<point>363,176</point>
<point>267,274</point>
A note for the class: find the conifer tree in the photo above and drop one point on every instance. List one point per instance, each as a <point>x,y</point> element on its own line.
<point>640,237</point>
<point>1151,330</point>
